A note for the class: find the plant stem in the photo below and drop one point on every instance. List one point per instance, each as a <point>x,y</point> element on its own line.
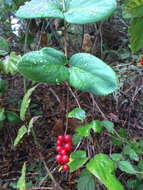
<point>51,176</point>
<point>66,54</point>
<point>65,31</point>
<point>25,45</point>
<point>65,40</point>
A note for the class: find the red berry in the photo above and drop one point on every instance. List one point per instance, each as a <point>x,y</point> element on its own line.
<point>63,152</point>
<point>58,143</point>
<point>65,159</point>
<point>67,138</point>
<point>141,61</point>
<point>59,158</point>
<point>59,149</point>
<point>65,167</point>
<point>61,138</point>
<point>67,147</point>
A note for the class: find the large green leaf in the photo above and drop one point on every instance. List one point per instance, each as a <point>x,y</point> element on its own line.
<point>136,34</point>
<point>89,73</point>
<point>21,184</point>
<point>4,48</point>
<point>134,8</point>
<point>46,65</point>
<point>84,12</point>
<point>86,181</point>
<point>77,159</point>
<point>25,103</point>
<point>77,12</point>
<point>43,8</point>
<point>103,168</point>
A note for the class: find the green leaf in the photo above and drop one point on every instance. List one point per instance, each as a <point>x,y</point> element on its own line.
<point>40,9</point>
<point>91,11</point>
<point>123,132</point>
<point>84,130</point>
<point>136,36</point>
<point>21,184</point>
<point>103,168</point>
<point>140,165</point>
<point>3,86</point>
<point>131,153</point>
<point>4,48</point>
<point>97,126</point>
<point>117,141</point>
<point>10,63</point>
<point>116,157</point>
<point>77,159</point>
<point>89,73</point>
<point>21,132</point>
<point>127,167</point>
<point>2,114</point>
<point>25,103</point>
<point>77,12</point>
<point>134,8</point>
<point>141,143</point>
<point>86,181</point>
<point>77,113</point>
<point>136,146</point>
<point>108,125</point>
<point>139,187</point>
<point>12,117</point>
<point>132,184</point>
<point>46,65</point>
<point>76,139</point>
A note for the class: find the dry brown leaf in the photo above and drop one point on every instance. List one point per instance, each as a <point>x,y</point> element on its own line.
<point>87,43</point>
<point>58,128</point>
<point>43,39</point>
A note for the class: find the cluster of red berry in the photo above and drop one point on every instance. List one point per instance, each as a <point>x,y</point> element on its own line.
<point>141,61</point>
<point>64,148</point>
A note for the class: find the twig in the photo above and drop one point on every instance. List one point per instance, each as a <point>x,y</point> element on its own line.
<point>57,97</point>
<point>51,176</point>
<point>94,102</point>
<point>42,188</point>
<point>39,41</point>
<point>82,36</point>
<point>73,95</point>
